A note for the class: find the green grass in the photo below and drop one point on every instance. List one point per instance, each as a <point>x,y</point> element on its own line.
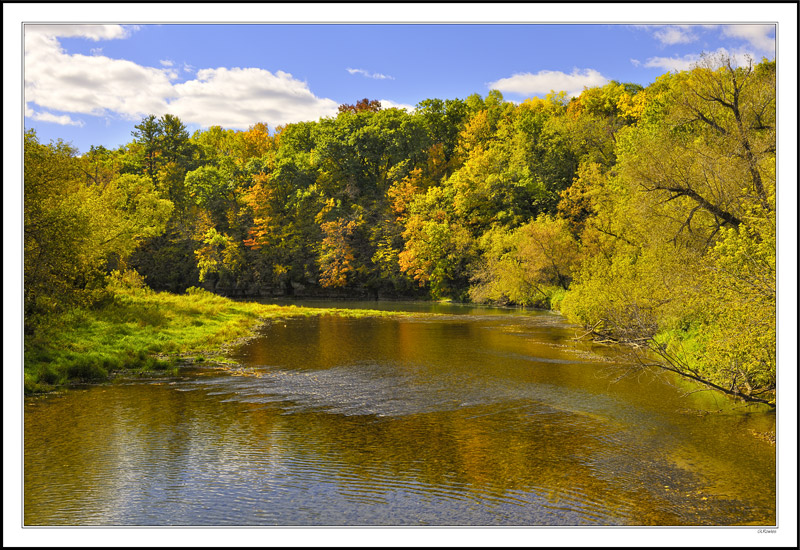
<point>141,331</point>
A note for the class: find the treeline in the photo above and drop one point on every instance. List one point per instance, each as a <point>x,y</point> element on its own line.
<point>646,214</point>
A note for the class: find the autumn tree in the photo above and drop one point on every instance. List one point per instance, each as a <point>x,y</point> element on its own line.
<point>679,236</point>
<point>596,116</point>
<point>360,156</point>
<point>712,152</point>
<point>363,105</point>
<point>528,265</point>
<point>438,249</point>
<point>283,233</point>
<point>443,121</point>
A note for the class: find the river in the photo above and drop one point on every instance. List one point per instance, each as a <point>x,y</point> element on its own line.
<point>449,416</point>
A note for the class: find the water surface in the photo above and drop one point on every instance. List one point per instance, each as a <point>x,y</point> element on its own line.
<point>454,415</point>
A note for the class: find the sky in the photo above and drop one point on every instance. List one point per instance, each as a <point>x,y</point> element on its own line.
<point>90,84</point>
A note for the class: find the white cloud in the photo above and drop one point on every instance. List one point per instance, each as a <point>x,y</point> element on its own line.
<point>389,104</point>
<point>635,62</point>
<point>377,76</point>
<point>92,32</point>
<point>688,62</point>
<point>240,97</point>
<point>64,120</point>
<point>758,36</point>
<point>102,86</point>
<point>677,34</point>
<point>166,62</point>
<point>544,82</point>
<point>90,84</point>
<point>674,64</point>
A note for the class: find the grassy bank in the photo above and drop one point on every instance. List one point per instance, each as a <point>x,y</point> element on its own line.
<point>138,330</point>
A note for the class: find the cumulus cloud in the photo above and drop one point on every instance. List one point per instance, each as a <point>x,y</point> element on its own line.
<point>101,86</point>
<point>166,62</point>
<point>675,34</point>
<point>92,32</point>
<point>544,82</point>
<point>758,36</point>
<point>377,76</point>
<point>238,97</point>
<point>90,84</point>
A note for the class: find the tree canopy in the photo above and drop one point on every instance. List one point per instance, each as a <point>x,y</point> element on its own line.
<point>645,213</point>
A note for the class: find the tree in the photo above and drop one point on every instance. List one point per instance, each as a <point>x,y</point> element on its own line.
<point>210,188</point>
<point>678,236</point>
<point>597,115</point>
<point>526,265</point>
<point>221,256</point>
<point>55,226</point>
<point>164,152</point>
<point>74,228</point>
<point>101,165</point>
<point>364,105</point>
<point>443,120</point>
<point>255,142</point>
<point>280,203</point>
<point>214,145</point>
<point>174,143</point>
<point>729,341</point>
<point>147,135</point>
<point>336,255</point>
<point>125,213</point>
<point>438,250</point>
<point>705,150</point>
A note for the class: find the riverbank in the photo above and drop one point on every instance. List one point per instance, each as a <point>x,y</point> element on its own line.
<point>138,330</point>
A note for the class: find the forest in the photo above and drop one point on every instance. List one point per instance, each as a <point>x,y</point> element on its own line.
<point>647,215</point>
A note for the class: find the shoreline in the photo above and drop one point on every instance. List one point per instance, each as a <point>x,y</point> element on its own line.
<point>145,332</point>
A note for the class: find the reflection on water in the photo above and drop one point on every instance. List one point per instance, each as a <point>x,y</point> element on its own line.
<point>474,417</point>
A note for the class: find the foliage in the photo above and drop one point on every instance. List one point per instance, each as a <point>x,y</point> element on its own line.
<point>646,214</point>
<point>76,227</point>
<point>731,339</point>
<point>525,266</point>
<point>679,238</point>
<point>221,255</point>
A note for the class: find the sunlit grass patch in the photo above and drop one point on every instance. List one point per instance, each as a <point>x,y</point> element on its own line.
<point>139,328</point>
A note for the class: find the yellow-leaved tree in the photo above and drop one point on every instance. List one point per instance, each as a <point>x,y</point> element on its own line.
<point>680,235</point>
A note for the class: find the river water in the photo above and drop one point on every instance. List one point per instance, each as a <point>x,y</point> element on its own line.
<point>450,416</point>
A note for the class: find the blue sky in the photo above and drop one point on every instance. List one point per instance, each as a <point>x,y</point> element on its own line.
<point>90,84</point>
